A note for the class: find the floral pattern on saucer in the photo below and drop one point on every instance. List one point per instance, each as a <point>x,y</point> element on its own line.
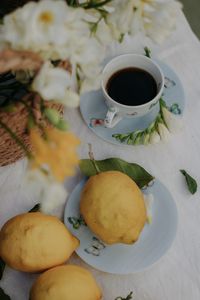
<point>96,247</point>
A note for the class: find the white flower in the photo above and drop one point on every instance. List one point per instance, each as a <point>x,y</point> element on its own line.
<point>48,27</point>
<point>137,19</point>
<point>104,33</point>
<point>53,199</point>
<point>14,30</point>
<point>90,52</point>
<point>90,76</point>
<point>173,122</point>
<point>54,84</point>
<point>146,139</point>
<point>50,194</point>
<point>121,18</point>
<point>36,25</point>
<point>46,24</point>
<point>154,138</point>
<point>163,132</point>
<point>159,18</point>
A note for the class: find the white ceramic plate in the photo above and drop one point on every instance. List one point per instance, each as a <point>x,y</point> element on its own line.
<point>153,243</point>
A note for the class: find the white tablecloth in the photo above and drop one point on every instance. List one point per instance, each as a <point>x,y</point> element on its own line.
<point>177,275</point>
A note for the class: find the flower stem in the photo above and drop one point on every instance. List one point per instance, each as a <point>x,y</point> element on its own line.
<point>94,4</point>
<point>91,156</point>
<point>16,138</point>
<point>29,109</point>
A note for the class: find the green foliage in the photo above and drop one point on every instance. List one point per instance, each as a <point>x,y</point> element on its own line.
<point>4,296</point>
<point>134,171</point>
<point>35,208</point>
<point>11,90</point>
<point>191,182</point>
<point>129,297</point>
<point>147,52</point>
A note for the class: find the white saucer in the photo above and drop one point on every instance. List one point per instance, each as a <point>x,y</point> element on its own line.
<point>93,109</point>
<point>154,241</point>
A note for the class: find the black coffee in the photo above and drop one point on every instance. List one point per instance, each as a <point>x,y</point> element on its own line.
<point>131,86</point>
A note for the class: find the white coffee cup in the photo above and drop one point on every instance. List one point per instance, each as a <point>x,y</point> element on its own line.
<point>117,111</point>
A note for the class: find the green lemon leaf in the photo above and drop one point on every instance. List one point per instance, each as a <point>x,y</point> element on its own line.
<point>2,267</point>
<point>36,208</point>
<point>134,171</point>
<point>191,182</point>
<point>3,296</point>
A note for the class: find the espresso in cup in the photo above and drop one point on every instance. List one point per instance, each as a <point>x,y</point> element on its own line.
<point>131,86</point>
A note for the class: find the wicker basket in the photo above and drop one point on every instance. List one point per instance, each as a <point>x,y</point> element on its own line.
<point>10,151</point>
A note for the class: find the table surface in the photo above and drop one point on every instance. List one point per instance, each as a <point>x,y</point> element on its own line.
<point>176,275</point>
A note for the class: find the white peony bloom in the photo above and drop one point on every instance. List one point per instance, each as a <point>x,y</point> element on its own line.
<point>53,199</point>
<point>48,27</point>
<point>36,25</point>
<point>159,18</point>
<point>173,122</point>
<point>163,132</point>
<point>46,24</point>
<point>154,138</point>
<point>14,28</point>
<point>54,84</point>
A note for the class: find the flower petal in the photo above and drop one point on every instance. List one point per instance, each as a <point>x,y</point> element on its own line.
<point>173,122</point>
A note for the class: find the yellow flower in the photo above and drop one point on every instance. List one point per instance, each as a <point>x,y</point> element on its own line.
<point>56,152</point>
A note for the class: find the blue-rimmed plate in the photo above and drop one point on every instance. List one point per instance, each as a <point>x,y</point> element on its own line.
<point>93,109</point>
<point>155,239</point>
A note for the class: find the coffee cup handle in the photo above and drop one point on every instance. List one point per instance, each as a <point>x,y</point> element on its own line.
<point>112,118</point>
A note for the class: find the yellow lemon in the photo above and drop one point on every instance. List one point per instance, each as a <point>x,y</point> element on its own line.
<point>68,282</point>
<point>113,207</point>
<point>33,242</point>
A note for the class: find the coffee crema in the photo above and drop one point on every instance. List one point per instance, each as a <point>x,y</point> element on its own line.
<point>132,86</point>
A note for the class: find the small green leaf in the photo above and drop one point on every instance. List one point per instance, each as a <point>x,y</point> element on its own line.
<point>129,297</point>
<point>191,182</point>
<point>121,137</point>
<point>36,208</point>
<point>134,171</point>
<point>4,296</point>
<point>2,267</point>
<point>147,52</point>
